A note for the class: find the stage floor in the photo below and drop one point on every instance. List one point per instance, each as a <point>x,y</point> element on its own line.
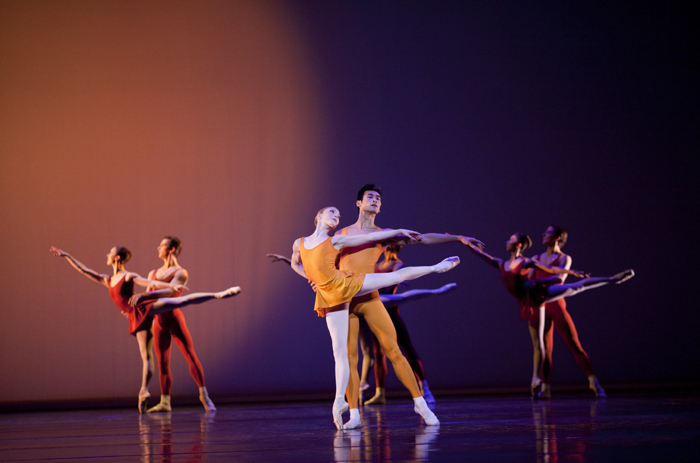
<point>641,427</point>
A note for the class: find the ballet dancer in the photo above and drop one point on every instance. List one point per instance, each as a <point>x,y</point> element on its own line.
<point>532,295</point>
<point>391,301</point>
<point>362,259</point>
<point>556,315</point>
<point>314,257</point>
<point>390,263</point>
<point>169,325</point>
<point>140,314</point>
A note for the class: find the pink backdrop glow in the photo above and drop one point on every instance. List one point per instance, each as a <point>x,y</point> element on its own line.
<point>123,122</point>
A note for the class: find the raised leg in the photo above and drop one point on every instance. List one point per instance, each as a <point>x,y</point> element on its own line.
<point>394,300</point>
<point>571,289</point>
<point>375,281</point>
<point>167,304</point>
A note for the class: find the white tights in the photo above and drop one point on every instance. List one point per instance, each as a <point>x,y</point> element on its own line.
<point>337,323</point>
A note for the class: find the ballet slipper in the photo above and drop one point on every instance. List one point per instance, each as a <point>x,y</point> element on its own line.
<point>595,386</point>
<point>163,406</point>
<point>354,421</point>
<point>206,401</point>
<point>447,264</point>
<point>143,400</point>
<point>378,399</point>
<point>427,395</point>
<point>623,276</point>
<point>340,406</point>
<point>535,387</point>
<point>228,293</point>
<point>546,392</point>
<point>422,409</point>
<point>364,386</point>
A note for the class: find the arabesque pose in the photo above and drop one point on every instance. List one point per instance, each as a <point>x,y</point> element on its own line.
<point>532,295</point>
<point>314,257</point>
<point>140,314</point>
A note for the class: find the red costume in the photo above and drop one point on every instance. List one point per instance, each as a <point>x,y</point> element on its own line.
<point>170,325</point>
<point>139,318</point>
<point>530,295</point>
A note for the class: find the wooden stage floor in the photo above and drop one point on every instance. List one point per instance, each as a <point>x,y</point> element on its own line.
<point>647,427</point>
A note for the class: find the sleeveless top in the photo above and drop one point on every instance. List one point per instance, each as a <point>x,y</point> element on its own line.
<point>360,259</point>
<point>333,286</point>
<point>166,317</point>
<point>528,299</point>
<point>139,318</point>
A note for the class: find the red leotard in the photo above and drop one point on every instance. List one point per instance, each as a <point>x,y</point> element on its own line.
<point>139,318</point>
<point>528,298</point>
<point>170,325</point>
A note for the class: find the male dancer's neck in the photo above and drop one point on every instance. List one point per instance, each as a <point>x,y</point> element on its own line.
<point>170,262</point>
<point>365,220</point>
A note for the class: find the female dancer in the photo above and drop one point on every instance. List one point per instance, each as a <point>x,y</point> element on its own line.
<point>556,315</point>
<point>139,313</point>
<point>314,257</point>
<point>367,339</point>
<point>533,294</point>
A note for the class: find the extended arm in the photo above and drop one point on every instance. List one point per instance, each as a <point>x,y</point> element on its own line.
<point>555,270</point>
<point>179,279</point>
<point>439,238</point>
<point>141,281</point>
<point>493,261</point>
<point>279,258</point>
<point>345,241</point>
<point>564,263</point>
<point>91,274</point>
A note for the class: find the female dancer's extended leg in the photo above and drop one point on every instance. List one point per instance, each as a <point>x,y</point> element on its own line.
<point>374,281</point>
<point>338,323</point>
<point>167,304</point>
<point>571,289</point>
<point>145,340</point>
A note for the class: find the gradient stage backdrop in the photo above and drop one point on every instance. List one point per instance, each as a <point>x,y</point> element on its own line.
<point>229,124</point>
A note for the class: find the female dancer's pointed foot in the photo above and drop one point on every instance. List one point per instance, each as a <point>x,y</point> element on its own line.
<point>445,289</point>
<point>228,293</point>
<point>354,421</point>
<point>340,406</point>
<point>623,276</point>
<point>206,401</point>
<point>447,264</point>
<point>143,400</point>
<point>427,414</point>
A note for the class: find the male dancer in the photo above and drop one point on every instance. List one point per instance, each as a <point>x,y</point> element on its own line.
<point>555,314</point>
<point>362,259</point>
<point>172,325</point>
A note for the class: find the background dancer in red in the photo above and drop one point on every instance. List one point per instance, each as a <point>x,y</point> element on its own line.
<point>140,314</point>
<point>169,325</point>
<point>533,294</point>
<point>556,315</point>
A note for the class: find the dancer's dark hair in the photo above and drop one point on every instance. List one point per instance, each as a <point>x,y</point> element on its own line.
<point>175,243</point>
<point>124,254</point>
<point>524,240</point>
<point>560,233</point>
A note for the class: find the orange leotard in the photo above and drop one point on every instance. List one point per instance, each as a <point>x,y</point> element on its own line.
<point>333,286</point>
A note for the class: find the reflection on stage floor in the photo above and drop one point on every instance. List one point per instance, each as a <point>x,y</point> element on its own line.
<point>650,427</point>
